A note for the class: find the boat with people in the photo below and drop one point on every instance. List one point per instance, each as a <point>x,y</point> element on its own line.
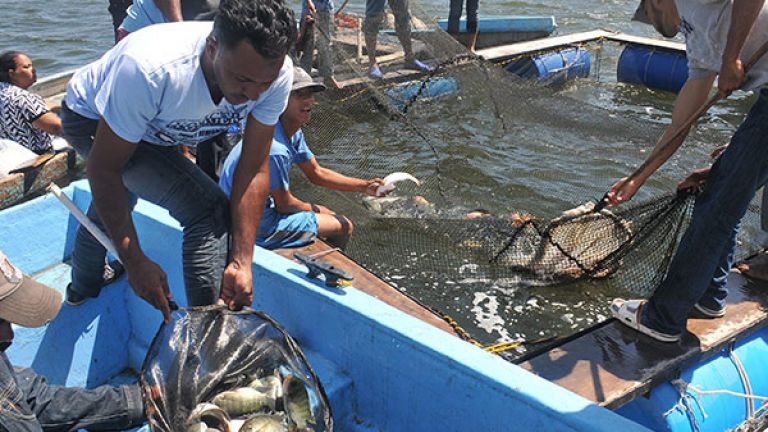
<point>388,369</point>
<point>389,364</point>
<point>33,174</point>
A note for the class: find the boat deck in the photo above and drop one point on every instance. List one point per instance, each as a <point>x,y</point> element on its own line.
<point>369,283</point>
<point>611,364</point>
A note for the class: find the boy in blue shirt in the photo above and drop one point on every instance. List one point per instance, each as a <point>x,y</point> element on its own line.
<point>288,221</point>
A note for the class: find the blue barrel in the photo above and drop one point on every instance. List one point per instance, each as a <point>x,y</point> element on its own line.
<point>553,67</point>
<point>660,409</point>
<point>653,67</point>
<point>433,87</point>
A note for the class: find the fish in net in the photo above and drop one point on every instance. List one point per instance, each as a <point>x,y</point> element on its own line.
<point>478,136</point>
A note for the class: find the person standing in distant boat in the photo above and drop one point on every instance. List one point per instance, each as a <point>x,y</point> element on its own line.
<point>288,221</point>
<point>374,18</point>
<point>25,118</point>
<point>454,16</point>
<point>320,34</point>
<point>127,112</point>
<point>719,35</point>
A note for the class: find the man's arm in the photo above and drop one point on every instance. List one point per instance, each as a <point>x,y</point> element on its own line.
<point>171,9</point>
<point>743,17</point>
<point>250,186</point>
<point>106,162</point>
<point>331,179</point>
<point>691,97</point>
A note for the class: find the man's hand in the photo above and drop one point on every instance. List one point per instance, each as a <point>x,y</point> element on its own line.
<point>149,282</point>
<point>373,187</point>
<point>731,77</point>
<point>311,7</point>
<point>237,286</point>
<point>622,191</point>
<point>718,151</point>
<point>695,179</point>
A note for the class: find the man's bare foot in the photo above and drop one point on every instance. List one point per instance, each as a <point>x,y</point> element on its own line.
<point>331,82</point>
<point>755,267</point>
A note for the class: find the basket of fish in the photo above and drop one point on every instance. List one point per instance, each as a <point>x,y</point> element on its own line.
<point>211,369</point>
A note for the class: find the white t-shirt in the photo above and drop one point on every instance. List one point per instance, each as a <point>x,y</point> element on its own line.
<point>705,24</point>
<point>150,87</point>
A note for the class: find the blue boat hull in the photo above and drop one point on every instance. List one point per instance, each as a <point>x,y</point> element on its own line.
<point>383,370</point>
<point>501,30</point>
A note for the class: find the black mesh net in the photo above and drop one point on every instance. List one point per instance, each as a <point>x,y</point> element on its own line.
<point>214,369</point>
<point>489,137</point>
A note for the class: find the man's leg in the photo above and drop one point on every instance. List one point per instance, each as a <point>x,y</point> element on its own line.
<point>472,6</point>
<point>335,228</point>
<point>65,408</point>
<point>400,8</point>
<point>403,26</point>
<point>324,36</point>
<point>732,183</point>
<point>88,254</point>
<point>309,48</point>
<point>163,176</point>
<point>454,16</point>
<point>374,17</point>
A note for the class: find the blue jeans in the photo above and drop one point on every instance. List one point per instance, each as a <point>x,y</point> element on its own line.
<point>699,270</point>
<point>160,175</point>
<point>29,403</point>
<point>454,15</point>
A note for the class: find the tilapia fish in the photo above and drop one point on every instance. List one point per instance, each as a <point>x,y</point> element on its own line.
<point>296,402</point>
<point>244,400</point>
<point>264,423</point>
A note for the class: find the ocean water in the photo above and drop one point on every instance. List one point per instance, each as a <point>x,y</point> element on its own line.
<point>61,35</point>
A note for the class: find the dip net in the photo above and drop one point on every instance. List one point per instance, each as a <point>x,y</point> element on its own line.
<point>214,369</point>
<point>488,137</point>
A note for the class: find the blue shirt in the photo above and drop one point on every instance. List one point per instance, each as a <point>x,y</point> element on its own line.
<point>282,155</point>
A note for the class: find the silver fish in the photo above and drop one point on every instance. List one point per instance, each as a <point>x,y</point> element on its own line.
<point>296,402</point>
<point>270,385</point>
<point>264,423</point>
<point>211,416</point>
<point>244,400</point>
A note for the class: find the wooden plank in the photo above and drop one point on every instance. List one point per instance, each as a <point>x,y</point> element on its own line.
<point>612,364</point>
<point>506,51</point>
<point>18,186</point>
<point>625,38</point>
<point>369,283</point>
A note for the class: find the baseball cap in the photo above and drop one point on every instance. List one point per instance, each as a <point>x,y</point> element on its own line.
<point>640,14</point>
<point>302,80</point>
<point>23,300</point>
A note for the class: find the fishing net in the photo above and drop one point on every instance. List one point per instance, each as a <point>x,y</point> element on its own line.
<point>491,136</point>
<point>214,369</point>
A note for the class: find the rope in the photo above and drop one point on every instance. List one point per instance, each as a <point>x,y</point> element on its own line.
<point>744,380</point>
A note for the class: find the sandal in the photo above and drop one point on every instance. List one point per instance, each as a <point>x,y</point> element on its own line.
<point>628,313</point>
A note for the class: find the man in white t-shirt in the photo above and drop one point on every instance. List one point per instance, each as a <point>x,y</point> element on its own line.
<point>720,36</point>
<point>172,84</point>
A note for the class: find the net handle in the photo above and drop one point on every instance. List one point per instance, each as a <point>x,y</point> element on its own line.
<point>714,99</point>
<point>692,119</point>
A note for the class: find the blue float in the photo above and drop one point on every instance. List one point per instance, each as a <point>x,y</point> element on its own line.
<point>653,67</point>
<point>432,88</point>
<point>553,67</point>
<point>706,397</point>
